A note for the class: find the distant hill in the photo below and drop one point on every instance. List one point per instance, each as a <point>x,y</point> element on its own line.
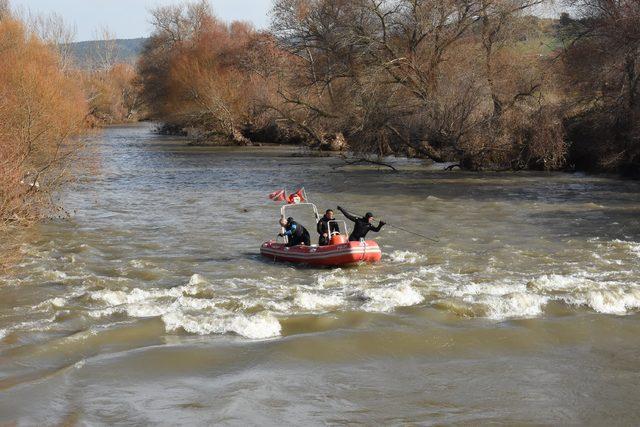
<point>88,53</point>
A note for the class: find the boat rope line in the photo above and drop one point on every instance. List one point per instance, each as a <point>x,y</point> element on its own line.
<point>414,233</point>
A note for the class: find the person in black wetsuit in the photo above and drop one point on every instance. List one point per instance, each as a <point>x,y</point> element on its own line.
<point>362,225</point>
<point>296,233</point>
<point>323,228</point>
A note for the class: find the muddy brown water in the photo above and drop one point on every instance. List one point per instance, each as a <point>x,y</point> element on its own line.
<point>151,305</point>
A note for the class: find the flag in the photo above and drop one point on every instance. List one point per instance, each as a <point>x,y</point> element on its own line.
<point>297,197</point>
<point>278,196</point>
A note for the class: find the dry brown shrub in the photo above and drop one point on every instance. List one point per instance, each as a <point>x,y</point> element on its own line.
<point>203,76</point>
<point>113,94</point>
<point>41,110</point>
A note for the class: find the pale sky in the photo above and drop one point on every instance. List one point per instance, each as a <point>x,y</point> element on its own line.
<point>128,19</point>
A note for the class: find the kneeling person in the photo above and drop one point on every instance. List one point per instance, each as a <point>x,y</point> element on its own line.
<point>296,233</point>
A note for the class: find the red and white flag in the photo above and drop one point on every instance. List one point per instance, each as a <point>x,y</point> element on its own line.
<point>297,197</point>
<point>278,196</point>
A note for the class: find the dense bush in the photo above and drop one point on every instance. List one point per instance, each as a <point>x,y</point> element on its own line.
<point>603,85</point>
<point>113,94</point>
<point>197,74</point>
<point>41,109</point>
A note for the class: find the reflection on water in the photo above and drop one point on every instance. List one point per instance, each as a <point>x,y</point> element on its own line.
<point>152,305</point>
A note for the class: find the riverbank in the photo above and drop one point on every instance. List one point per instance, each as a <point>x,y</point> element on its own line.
<point>42,112</point>
<point>581,156</point>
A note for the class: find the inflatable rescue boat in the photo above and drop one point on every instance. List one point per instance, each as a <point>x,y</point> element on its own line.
<point>339,252</point>
<point>342,252</point>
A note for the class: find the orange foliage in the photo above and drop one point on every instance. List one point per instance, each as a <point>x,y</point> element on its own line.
<point>202,81</point>
<point>113,94</point>
<point>206,79</point>
<point>41,108</point>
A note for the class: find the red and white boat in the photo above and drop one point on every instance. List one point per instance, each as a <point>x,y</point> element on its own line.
<point>339,252</point>
<point>332,255</point>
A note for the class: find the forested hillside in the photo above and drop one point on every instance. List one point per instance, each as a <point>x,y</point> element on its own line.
<point>87,53</point>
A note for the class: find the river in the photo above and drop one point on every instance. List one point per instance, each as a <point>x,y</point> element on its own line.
<point>150,304</point>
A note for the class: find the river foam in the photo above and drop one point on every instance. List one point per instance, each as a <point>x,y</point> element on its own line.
<point>514,305</point>
<point>259,326</point>
<point>180,309</point>
<point>252,305</point>
<point>407,257</point>
<point>317,302</point>
<point>389,298</point>
<point>598,293</point>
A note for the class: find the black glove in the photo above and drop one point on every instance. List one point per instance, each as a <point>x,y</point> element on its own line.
<point>382,223</point>
<point>339,208</point>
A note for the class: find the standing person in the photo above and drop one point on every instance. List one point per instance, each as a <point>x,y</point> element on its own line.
<point>362,225</point>
<point>296,233</point>
<point>326,229</point>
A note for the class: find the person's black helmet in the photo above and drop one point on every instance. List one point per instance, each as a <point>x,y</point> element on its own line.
<point>290,220</point>
<point>368,215</point>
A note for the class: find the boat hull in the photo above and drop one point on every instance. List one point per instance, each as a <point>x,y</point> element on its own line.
<point>331,255</point>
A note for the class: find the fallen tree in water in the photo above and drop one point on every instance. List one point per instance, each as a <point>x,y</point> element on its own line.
<point>365,161</point>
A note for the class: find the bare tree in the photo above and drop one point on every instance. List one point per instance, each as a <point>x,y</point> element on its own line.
<point>405,75</point>
<point>55,31</point>
<point>105,50</point>
<point>177,23</point>
<point>5,9</point>
<point>603,66</point>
